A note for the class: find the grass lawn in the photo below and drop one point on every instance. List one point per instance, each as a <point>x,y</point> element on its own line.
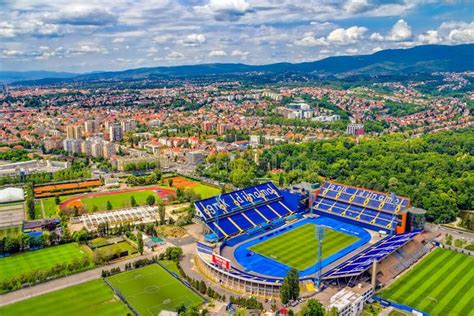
<point>42,259</point>
<point>11,231</point>
<point>151,289</point>
<point>89,298</point>
<point>206,191</point>
<point>38,210</point>
<point>441,284</point>
<point>170,265</point>
<point>117,248</point>
<point>119,200</point>
<point>50,207</point>
<point>297,248</point>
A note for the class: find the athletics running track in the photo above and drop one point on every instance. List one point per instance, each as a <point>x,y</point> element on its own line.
<point>254,262</point>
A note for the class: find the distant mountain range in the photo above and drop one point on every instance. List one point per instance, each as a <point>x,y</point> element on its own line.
<point>419,59</point>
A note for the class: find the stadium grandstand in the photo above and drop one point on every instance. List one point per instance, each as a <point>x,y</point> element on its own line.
<point>365,226</point>
<point>370,209</point>
<point>247,210</point>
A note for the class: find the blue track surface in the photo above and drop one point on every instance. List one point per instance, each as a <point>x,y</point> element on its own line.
<point>266,266</point>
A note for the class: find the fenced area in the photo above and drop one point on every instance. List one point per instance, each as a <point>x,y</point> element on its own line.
<point>152,289</point>
<point>441,284</point>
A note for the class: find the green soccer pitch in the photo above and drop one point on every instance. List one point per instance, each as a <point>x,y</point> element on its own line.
<point>42,259</point>
<point>152,289</point>
<point>298,247</point>
<point>89,298</point>
<point>441,284</point>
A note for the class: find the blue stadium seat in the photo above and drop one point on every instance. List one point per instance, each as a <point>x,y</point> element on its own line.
<point>268,213</point>
<point>241,221</point>
<point>255,217</point>
<point>279,209</point>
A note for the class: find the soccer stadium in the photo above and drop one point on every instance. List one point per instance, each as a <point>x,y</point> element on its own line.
<point>332,235</point>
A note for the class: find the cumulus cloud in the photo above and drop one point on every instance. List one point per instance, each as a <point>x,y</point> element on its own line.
<point>82,15</point>
<point>462,34</point>
<point>347,36</point>
<point>226,10</point>
<point>356,6</point>
<point>217,53</point>
<point>239,53</point>
<point>400,32</point>
<point>430,37</point>
<point>376,37</point>
<point>309,39</point>
<point>194,40</point>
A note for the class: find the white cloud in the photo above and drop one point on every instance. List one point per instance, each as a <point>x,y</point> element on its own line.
<point>309,39</point>
<point>161,39</point>
<point>356,6</point>
<point>400,32</point>
<point>352,51</point>
<point>463,34</point>
<point>239,53</point>
<point>376,37</point>
<point>217,53</point>
<point>346,36</point>
<point>118,40</point>
<point>174,55</point>
<point>194,40</point>
<point>430,37</point>
<point>225,10</point>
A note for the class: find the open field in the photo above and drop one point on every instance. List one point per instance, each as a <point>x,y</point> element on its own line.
<point>89,298</point>
<point>42,259</point>
<point>119,199</point>
<point>297,248</point>
<point>441,284</point>
<point>204,190</point>
<point>117,248</point>
<point>151,289</point>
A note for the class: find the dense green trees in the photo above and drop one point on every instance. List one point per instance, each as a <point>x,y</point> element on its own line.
<point>436,171</point>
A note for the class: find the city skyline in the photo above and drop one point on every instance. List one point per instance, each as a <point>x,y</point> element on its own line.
<point>89,36</point>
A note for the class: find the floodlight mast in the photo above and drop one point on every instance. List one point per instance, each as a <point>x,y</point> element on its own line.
<point>319,234</point>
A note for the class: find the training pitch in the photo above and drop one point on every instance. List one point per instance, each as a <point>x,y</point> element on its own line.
<point>152,289</point>
<point>298,247</point>
<point>89,298</point>
<point>42,259</point>
<point>441,284</point>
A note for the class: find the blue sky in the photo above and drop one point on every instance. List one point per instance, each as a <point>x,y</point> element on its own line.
<point>83,36</point>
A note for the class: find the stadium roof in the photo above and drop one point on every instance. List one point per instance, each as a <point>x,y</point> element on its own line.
<point>9,195</point>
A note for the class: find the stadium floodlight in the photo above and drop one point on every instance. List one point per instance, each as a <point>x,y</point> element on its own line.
<point>319,235</point>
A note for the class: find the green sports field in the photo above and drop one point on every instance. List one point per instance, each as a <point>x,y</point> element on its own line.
<point>297,248</point>
<point>441,284</point>
<point>151,289</point>
<point>43,259</point>
<point>89,298</point>
<point>206,191</point>
<point>120,200</point>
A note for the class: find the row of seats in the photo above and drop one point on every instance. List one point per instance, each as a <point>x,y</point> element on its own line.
<point>362,197</point>
<point>363,260</point>
<point>240,222</point>
<point>355,212</point>
<point>238,200</point>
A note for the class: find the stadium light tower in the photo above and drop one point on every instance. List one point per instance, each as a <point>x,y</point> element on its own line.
<point>319,235</point>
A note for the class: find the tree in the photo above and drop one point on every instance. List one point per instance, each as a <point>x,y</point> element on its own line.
<point>290,289</point>
<point>140,242</point>
<point>313,308</point>
<point>150,200</point>
<point>170,182</point>
<point>109,206</point>
<point>133,202</point>
<point>162,213</point>
<point>57,200</point>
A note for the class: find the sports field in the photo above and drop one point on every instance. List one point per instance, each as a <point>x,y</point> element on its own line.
<point>42,259</point>
<point>121,200</point>
<point>89,298</point>
<point>441,284</point>
<point>297,248</point>
<point>151,289</point>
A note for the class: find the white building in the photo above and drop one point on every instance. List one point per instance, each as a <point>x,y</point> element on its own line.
<point>350,301</point>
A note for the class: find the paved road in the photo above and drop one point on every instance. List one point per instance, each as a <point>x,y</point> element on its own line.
<point>61,283</point>
<point>443,229</point>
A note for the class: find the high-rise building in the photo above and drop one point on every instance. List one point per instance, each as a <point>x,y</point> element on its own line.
<point>73,131</point>
<point>115,133</point>
<point>128,125</point>
<point>109,150</point>
<point>72,146</point>
<point>91,126</point>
